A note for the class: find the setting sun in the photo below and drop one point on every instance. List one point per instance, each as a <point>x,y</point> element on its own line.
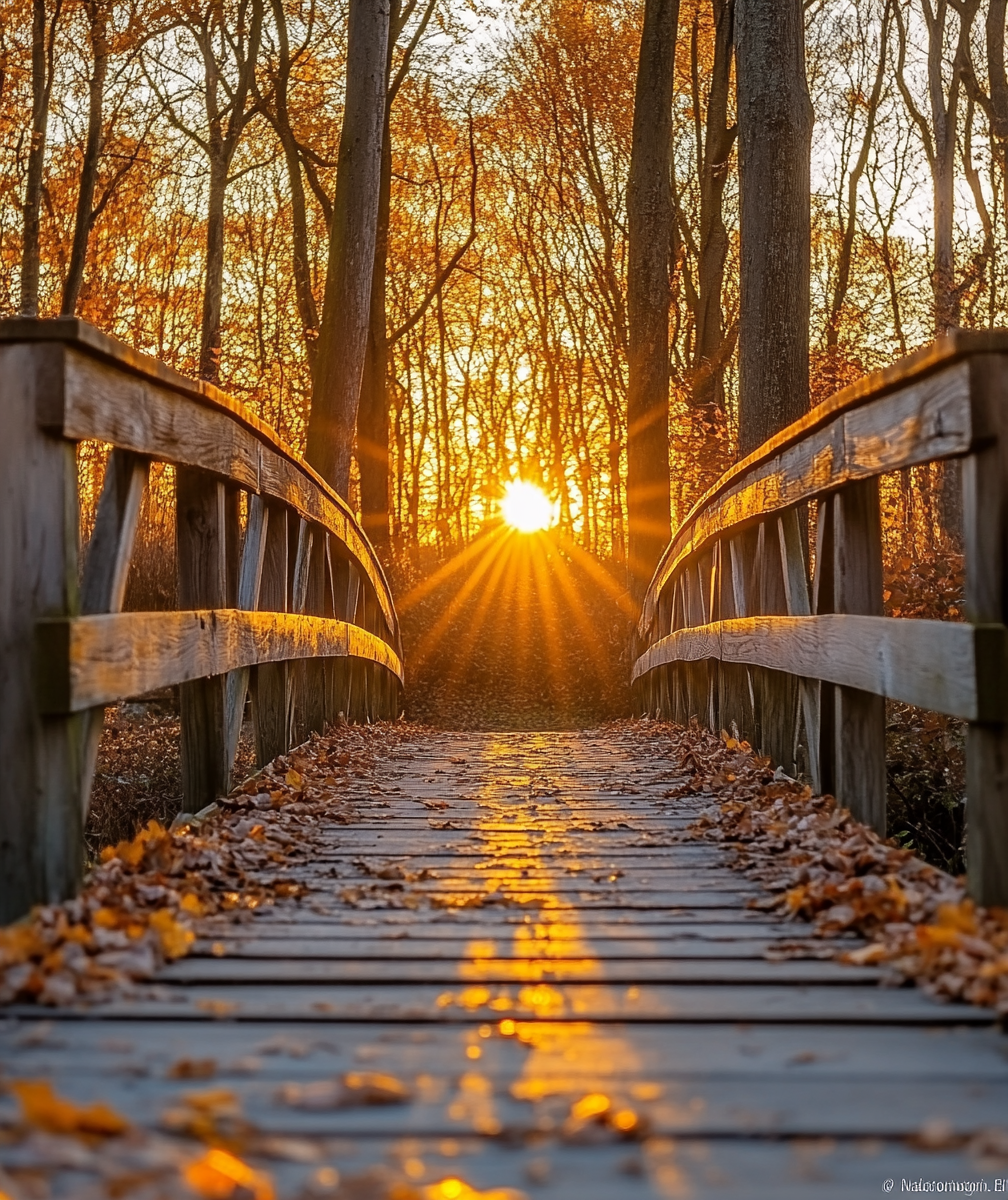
<point>526,507</point>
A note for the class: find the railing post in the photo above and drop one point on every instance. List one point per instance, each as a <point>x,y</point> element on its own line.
<point>858,717</point>
<point>41,833</point>
<point>200,523</point>
<point>776,693</point>
<point>791,528</point>
<point>246,596</point>
<point>313,700</point>
<point>736,704</point>
<point>985,527</point>
<point>270,687</point>
<point>338,682</point>
<point>106,570</point>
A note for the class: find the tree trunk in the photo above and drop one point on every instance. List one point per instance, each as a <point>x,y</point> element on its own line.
<point>299,220</point>
<point>709,357</point>
<point>649,213</point>
<point>372,416</point>
<point>850,225</point>
<point>946,295</point>
<point>775,138</point>
<point>345,311</point>
<point>213,286</point>
<point>41,89</point>
<point>92,154</point>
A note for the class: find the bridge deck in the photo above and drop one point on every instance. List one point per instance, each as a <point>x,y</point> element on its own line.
<point>550,939</point>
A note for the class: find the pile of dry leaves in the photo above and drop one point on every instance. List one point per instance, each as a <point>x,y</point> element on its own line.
<point>137,907</point>
<point>827,867</point>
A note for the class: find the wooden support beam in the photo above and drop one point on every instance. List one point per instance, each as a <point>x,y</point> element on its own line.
<point>202,584</point>
<point>41,838</point>
<point>299,598</point>
<point>859,715</point>
<point>270,681</point>
<point>985,527</point>
<point>796,590</point>
<point>249,581</point>
<point>106,570</point>
<point>313,695</point>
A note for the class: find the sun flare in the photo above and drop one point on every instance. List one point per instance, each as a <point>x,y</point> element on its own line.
<point>526,507</point>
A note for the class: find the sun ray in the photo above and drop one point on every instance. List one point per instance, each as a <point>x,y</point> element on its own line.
<point>480,545</point>
<point>491,592</point>
<point>492,549</point>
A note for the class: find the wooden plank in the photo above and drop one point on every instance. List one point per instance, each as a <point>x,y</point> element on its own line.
<point>480,925</point>
<point>853,435</point>
<point>928,663</point>
<point>859,762</point>
<point>249,581</point>
<point>693,1003</point>
<point>794,1105</point>
<point>528,969</point>
<point>793,540</point>
<point>40,809</point>
<point>985,527</point>
<point>96,660</point>
<point>864,1053</point>
<point>202,584</point>
<point>270,681</point>
<point>106,570</point>
<point>358,950</point>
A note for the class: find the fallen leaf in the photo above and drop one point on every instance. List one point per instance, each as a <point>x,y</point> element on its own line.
<point>44,1109</point>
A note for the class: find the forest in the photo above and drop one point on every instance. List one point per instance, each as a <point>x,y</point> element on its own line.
<point>171,174</point>
<point>155,152</point>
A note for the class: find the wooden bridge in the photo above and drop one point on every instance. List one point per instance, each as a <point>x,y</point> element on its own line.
<point>445,966</point>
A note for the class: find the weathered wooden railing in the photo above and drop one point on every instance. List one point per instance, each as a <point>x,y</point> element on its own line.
<point>734,632</point>
<point>295,608</point>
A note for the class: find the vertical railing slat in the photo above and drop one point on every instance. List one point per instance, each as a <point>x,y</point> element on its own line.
<point>200,537</point>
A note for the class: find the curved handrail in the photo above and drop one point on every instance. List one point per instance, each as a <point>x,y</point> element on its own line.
<point>296,595</point>
<point>947,350</point>
<point>119,420</point>
<point>735,630</point>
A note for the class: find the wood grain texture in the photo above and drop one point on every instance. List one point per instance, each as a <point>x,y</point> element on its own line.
<point>106,570</point>
<point>40,809</point>
<point>249,582</point>
<point>928,419</point>
<point>643,985</point>
<point>201,548</point>
<point>86,661</point>
<point>859,713</point>
<point>269,681</point>
<point>928,663</point>
<point>101,389</point>
<point>985,526</point>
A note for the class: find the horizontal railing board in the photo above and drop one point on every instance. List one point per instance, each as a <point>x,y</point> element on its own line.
<point>945,666</point>
<point>84,662</point>
<point>947,350</point>
<point>927,420</point>
<point>96,387</point>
